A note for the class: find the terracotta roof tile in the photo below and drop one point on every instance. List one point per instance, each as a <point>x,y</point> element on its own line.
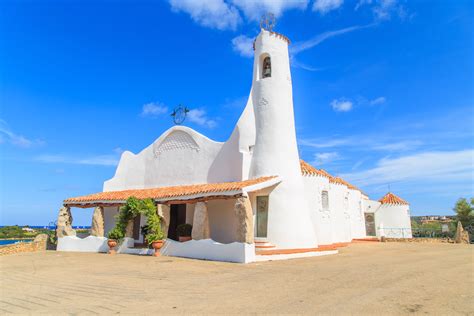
<point>391,198</point>
<point>308,170</point>
<point>168,192</point>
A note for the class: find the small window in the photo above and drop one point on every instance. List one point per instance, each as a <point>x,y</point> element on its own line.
<point>267,67</point>
<point>325,200</point>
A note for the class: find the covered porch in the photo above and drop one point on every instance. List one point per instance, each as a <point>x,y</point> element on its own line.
<point>221,214</point>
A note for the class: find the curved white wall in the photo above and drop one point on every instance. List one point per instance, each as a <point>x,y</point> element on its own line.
<point>393,221</point>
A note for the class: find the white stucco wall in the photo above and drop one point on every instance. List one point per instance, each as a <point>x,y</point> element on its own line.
<point>109,218</point>
<point>88,244</point>
<point>393,221</point>
<point>209,249</point>
<point>222,220</point>
<point>180,156</point>
<point>275,151</point>
<point>320,218</point>
<point>340,217</point>
<point>356,214</point>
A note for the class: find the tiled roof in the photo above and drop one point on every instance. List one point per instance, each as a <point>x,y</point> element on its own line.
<point>391,198</point>
<point>337,180</point>
<point>308,170</point>
<point>169,192</point>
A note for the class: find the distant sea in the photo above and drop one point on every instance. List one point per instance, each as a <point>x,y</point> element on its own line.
<point>4,242</point>
<point>48,227</point>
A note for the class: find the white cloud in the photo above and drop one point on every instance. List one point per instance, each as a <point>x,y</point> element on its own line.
<point>325,158</point>
<point>243,45</point>
<point>378,101</point>
<point>384,9</point>
<point>254,10</point>
<point>8,136</point>
<point>324,143</point>
<point>100,160</point>
<point>398,146</point>
<point>324,6</point>
<point>154,109</point>
<point>363,142</point>
<point>199,117</point>
<point>341,105</point>
<point>318,39</point>
<point>426,168</point>
<point>209,13</point>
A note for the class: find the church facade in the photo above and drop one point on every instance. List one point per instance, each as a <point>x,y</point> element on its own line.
<point>251,194</point>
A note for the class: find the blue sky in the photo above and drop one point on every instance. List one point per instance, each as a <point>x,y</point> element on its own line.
<point>383,91</point>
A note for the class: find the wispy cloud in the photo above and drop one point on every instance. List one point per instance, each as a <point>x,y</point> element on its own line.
<point>325,158</point>
<point>423,167</point>
<point>341,105</point>
<point>384,9</point>
<point>298,47</point>
<point>200,117</point>
<point>8,136</point>
<point>99,160</point>
<point>377,101</point>
<point>243,45</point>
<point>215,14</point>
<point>324,6</point>
<point>363,143</point>
<point>154,109</point>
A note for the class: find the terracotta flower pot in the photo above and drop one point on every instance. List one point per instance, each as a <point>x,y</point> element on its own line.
<point>185,238</point>
<point>112,243</point>
<point>157,246</point>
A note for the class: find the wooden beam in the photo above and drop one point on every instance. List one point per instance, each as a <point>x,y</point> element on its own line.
<point>169,202</point>
<point>92,204</point>
<point>202,199</point>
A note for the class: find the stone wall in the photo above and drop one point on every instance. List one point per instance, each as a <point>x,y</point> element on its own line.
<point>420,240</point>
<point>38,244</point>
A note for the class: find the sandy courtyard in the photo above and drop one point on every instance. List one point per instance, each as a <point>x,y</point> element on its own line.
<point>368,278</point>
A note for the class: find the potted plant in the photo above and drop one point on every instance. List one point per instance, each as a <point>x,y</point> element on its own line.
<point>184,232</point>
<point>154,235</point>
<point>115,235</point>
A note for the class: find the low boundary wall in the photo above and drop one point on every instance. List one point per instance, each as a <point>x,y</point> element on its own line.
<point>209,249</point>
<point>39,244</point>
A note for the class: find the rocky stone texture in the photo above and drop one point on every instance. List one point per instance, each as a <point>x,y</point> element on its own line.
<point>462,236</point>
<point>64,225</point>
<point>201,222</point>
<point>243,211</point>
<point>97,227</point>
<point>420,240</point>
<point>163,212</point>
<point>39,244</point>
<point>129,229</point>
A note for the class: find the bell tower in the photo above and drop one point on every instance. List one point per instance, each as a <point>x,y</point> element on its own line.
<point>275,151</point>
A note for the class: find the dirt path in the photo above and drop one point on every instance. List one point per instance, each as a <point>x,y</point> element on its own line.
<point>369,278</point>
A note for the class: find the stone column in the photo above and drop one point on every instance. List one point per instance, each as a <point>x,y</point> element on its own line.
<point>201,222</point>
<point>163,212</point>
<point>129,229</point>
<point>97,227</point>
<point>243,210</point>
<point>64,225</point>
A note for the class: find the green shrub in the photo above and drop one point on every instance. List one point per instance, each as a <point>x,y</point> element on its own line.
<point>132,208</point>
<point>184,230</point>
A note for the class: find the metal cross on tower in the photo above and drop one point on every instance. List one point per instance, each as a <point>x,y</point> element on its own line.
<point>268,22</point>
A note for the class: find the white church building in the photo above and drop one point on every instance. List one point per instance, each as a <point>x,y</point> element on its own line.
<point>251,195</point>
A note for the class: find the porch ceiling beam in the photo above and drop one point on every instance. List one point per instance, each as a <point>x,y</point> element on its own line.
<point>159,201</point>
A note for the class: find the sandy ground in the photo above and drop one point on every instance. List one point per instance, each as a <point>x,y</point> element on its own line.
<point>368,278</point>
